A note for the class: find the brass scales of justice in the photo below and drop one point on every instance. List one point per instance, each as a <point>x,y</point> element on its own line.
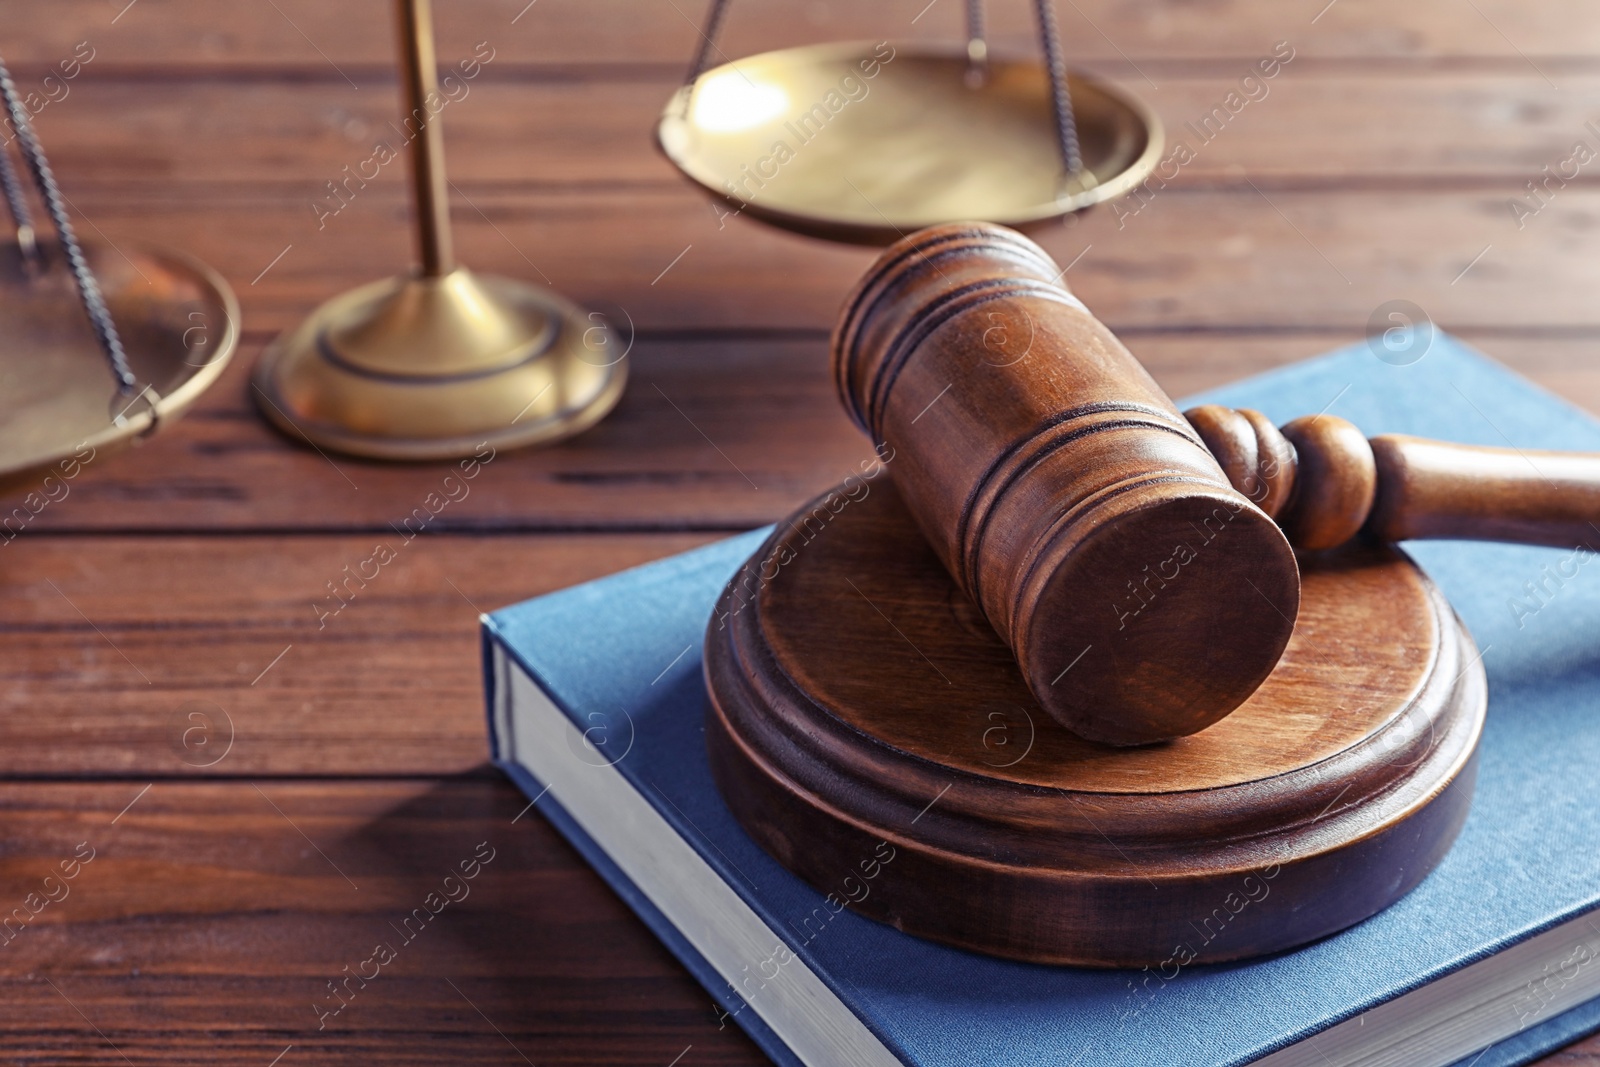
<point>432,364</point>
<point>103,345</point>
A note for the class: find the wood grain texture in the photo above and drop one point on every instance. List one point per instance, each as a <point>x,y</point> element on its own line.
<point>1061,488</point>
<point>704,414</point>
<point>1325,483</point>
<point>1432,489</point>
<point>212,126</point>
<point>721,434</point>
<point>518,127</point>
<point>860,707</point>
<point>185,657</point>
<point>243,38</point>
<point>1211,258</point>
<point>213,916</point>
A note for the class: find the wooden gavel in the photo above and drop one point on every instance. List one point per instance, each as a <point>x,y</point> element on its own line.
<point>1138,562</point>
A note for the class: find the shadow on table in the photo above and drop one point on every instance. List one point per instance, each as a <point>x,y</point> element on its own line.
<point>535,944</point>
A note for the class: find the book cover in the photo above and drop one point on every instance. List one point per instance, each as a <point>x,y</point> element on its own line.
<point>619,660</point>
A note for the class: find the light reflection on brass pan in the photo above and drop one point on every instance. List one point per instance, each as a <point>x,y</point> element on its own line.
<point>803,139</point>
<point>179,322</point>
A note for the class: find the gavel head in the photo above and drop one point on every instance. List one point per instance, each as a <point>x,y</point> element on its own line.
<point>1144,597</point>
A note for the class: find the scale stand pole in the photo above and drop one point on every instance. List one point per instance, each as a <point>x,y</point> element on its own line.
<point>438,362</point>
<point>429,186</point>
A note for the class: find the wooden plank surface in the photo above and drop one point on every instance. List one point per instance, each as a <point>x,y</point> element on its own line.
<point>209,920</point>
<point>520,128</point>
<point>176,656</point>
<point>171,601</point>
<point>243,37</point>
<point>717,435</point>
<point>1229,254</point>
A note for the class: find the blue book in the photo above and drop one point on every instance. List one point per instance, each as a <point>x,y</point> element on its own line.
<point>595,709</point>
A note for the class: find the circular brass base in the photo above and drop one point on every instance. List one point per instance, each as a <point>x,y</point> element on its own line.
<point>417,368</point>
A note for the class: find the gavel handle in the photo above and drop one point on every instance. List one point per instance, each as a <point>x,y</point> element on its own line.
<point>1435,489</point>
<point>1324,482</point>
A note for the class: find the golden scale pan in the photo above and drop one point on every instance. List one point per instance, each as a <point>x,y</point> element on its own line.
<point>866,143</point>
<point>165,324</point>
<point>178,321</point>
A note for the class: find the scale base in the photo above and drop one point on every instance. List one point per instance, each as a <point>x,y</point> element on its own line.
<point>416,368</point>
<point>871,732</point>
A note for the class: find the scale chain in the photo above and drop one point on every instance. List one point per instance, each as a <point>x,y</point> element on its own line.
<point>977,46</point>
<point>708,41</point>
<point>83,277</point>
<point>21,216</point>
<point>1061,96</point>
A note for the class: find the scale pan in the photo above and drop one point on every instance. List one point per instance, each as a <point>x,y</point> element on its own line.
<point>804,139</point>
<point>179,324</point>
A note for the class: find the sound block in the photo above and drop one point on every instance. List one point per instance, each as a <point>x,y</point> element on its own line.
<point>869,729</point>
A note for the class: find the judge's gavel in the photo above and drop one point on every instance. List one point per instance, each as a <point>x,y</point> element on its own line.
<point>1137,562</point>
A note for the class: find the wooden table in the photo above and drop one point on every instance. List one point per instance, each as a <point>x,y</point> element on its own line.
<point>264,796</point>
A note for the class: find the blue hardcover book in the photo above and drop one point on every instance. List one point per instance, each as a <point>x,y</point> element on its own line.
<point>595,709</point>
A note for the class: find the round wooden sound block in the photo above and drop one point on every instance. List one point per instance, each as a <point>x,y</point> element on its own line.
<point>868,729</point>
